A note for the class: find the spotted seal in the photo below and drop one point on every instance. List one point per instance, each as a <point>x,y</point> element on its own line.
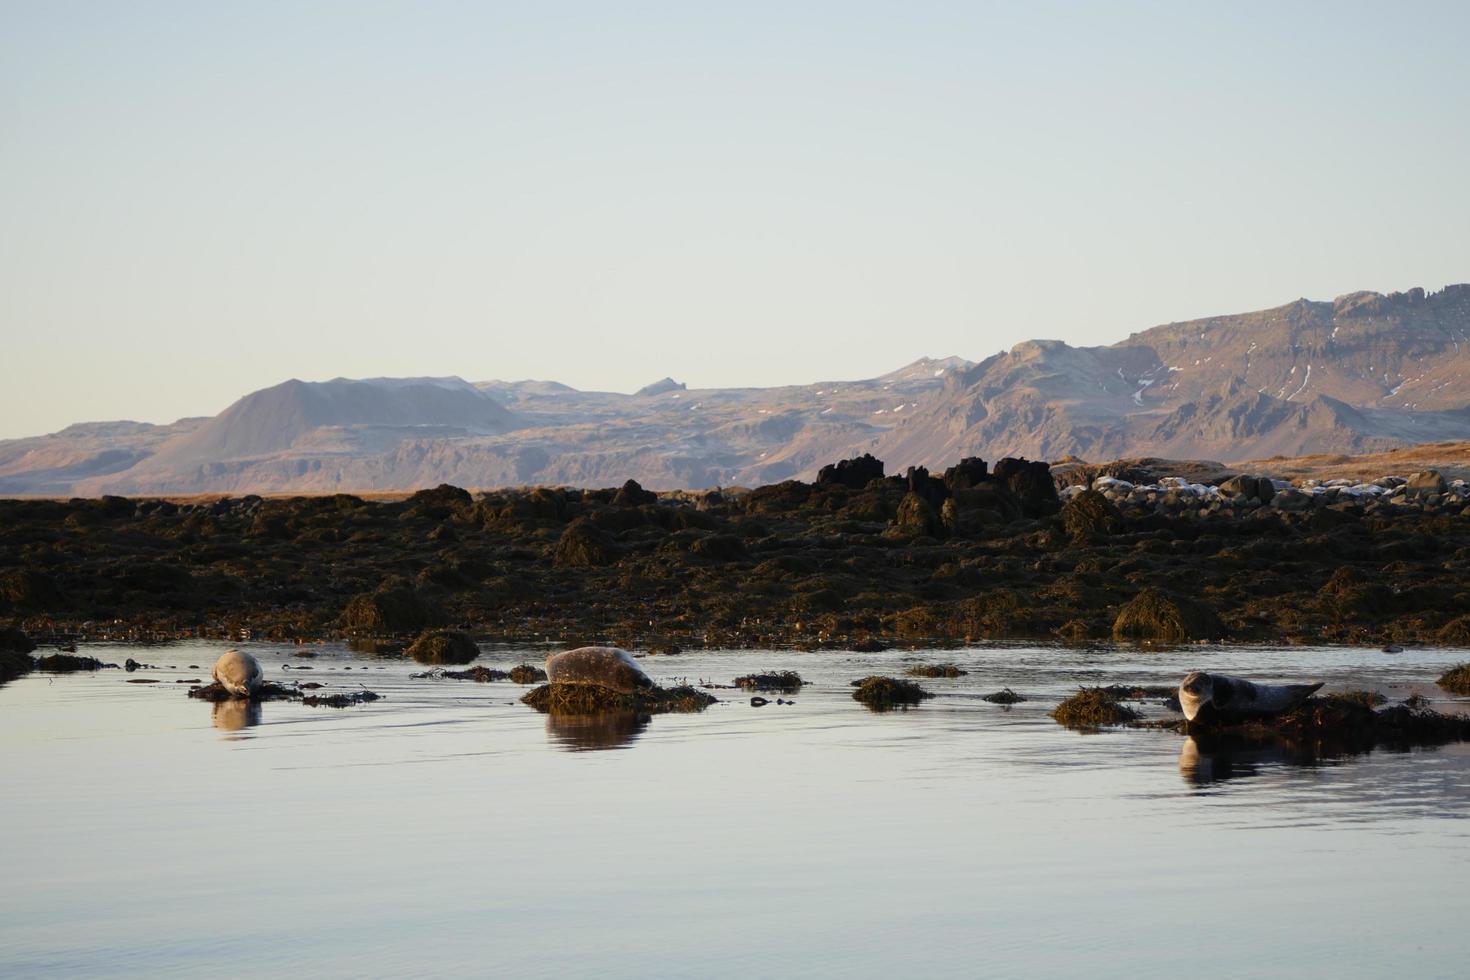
<point>607,667</point>
<point>239,673</point>
<point>1216,697</point>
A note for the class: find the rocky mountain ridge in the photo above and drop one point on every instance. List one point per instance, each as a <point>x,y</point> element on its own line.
<point>1366,372</point>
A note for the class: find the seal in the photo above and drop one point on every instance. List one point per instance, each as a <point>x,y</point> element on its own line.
<point>239,673</point>
<point>607,667</point>
<point>1216,697</point>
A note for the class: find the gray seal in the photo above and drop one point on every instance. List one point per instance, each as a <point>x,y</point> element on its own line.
<point>1216,697</point>
<point>239,673</point>
<point>607,667</point>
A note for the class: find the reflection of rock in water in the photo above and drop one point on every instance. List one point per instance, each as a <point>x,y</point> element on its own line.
<point>235,714</point>
<point>606,730</point>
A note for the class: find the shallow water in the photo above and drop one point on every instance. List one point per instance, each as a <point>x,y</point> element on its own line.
<point>450,830</point>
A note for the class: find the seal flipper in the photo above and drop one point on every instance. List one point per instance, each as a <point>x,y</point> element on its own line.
<point>1300,692</point>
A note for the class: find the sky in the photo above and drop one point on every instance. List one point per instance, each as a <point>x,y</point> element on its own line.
<point>201,199</point>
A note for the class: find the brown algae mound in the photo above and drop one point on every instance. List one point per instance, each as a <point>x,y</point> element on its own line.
<point>526,674</point>
<point>1334,725</point>
<point>936,670</point>
<point>1156,615</point>
<point>1004,696</point>
<point>1456,680</point>
<point>388,611</point>
<point>269,691</point>
<point>882,693</point>
<point>478,673</point>
<point>443,647</point>
<point>339,700</point>
<point>66,663</point>
<point>780,681</point>
<point>1093,708</point>
<point>590,699</point>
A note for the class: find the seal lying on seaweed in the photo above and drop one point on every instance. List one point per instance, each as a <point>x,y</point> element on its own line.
<point>1216,697</point>
<point>607,667</point>
<point>239,673</point>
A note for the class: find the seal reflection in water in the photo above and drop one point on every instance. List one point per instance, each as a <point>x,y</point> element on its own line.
<point>605,730</point>
<point>239,673</point>
<point>235,714</point>
<point>1213,761</point>
<point>1208,698</point>
<point>607,667</point>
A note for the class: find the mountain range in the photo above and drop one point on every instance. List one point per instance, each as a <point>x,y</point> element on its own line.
<point>1366,372</point>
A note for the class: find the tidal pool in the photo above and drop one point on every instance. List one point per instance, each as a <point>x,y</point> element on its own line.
<point>448,830</point>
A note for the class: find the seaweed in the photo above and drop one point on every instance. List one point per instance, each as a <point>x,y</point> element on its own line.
<point>591,699</point>
<point>1456,680</point>
<point>1092,708</point>
<point>881,693</point>
<point>269,691</point>
<point>526,674</point>
<point>479,673</point>
<point>1004,696</point>
<point>339,700</point>
<point>65,663</point>
<point>443,647</point>
<point>936,670</point>
<point>783,681</point>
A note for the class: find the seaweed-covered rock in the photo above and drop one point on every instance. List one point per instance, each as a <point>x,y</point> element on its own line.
<point>526,674</point>
<point>14,640</point>
<point>1456,680</point>
<point>1091,513</point>
<point>881,693</point>
<point>388,611</point>
<point>590,699</point>
<point>584,545</point>
<point>1003,696</point>
<point>1030,483</point>
<point>13,664</point>
<point>1092,708</point>
<point>936,670</point>
<point>27,588</point>
<point>916,517</point>
<point>856,473</point>
<point>269,691</point>
<point>443,647</point>
<point>67,663</point>
<point>1156,615</point>
<point>632,494</point>
<point>1455,633</point>
<point>968,472</point>
<point>782,681</point>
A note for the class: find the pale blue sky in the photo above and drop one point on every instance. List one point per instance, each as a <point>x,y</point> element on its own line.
<point>200,199</point>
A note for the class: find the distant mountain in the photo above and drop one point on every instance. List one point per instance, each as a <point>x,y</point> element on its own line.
<point>1365,373</point>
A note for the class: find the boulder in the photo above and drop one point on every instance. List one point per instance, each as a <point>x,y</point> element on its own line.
<point>632,494</point>
<point>1089,513</point>
<point>30,589</point>
<point>388,611</point>
<point>443,647</point>
<point>1293,501</point>
<point>584,545</point>
<point>855,473</point>
<point>1157,615</point>
<point>1425,484</point>
<point>1031,484</point>
<point>916,517</point>
<point>1258,488</point>
<point>968,472</point>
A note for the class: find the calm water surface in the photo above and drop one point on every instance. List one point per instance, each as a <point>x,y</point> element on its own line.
<point>450,830</point>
